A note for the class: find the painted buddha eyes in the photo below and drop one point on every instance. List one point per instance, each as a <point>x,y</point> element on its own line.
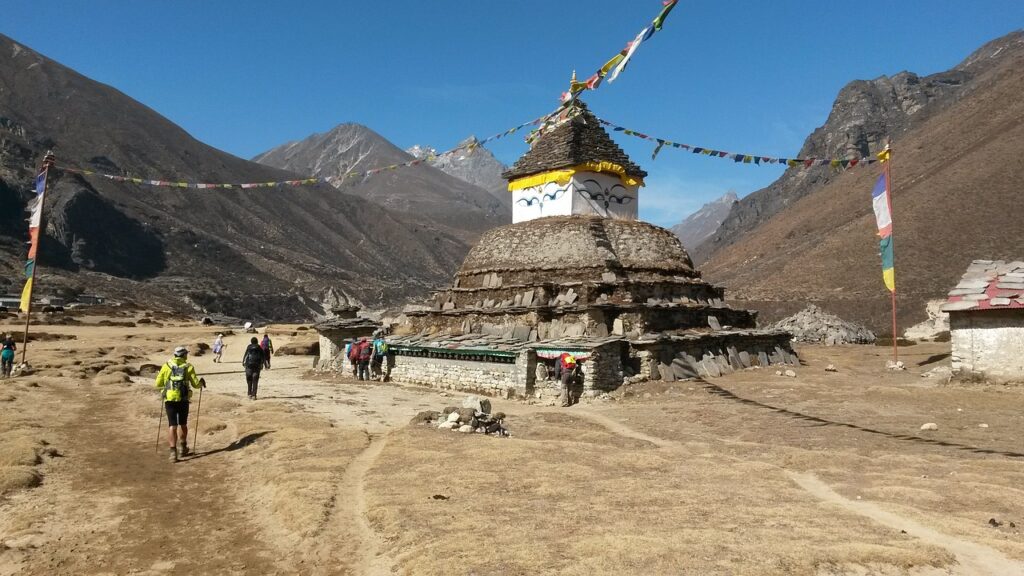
<point>605,195</point>
<point>541,198</point>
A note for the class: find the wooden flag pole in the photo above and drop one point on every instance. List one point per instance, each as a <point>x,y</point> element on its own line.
<point>48,161</point>
<point>888,186</point>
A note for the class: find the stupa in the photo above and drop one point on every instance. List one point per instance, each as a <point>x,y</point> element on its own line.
<point>577,271</point>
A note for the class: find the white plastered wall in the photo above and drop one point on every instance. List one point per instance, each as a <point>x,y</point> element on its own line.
<point>585,193</point>
<point>988,345</point>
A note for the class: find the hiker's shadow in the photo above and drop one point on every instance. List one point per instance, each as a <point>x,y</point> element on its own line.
<point>236,445</point>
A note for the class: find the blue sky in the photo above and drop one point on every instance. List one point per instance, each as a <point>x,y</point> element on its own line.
<point>752,77</point>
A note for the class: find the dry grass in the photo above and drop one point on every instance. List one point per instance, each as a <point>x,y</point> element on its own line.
<point>545,504</point>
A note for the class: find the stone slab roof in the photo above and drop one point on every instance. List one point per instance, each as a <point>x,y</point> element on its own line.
<point>494,343</point>
<point>988,285</point>
<point>346,324</point>
<point>579,139</point>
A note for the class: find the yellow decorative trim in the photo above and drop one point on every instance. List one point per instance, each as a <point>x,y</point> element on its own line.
<point>563,175</point>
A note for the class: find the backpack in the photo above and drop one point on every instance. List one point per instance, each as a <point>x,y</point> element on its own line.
<point>364,351</point>
<point>253,356</point>
<point>176,388</point>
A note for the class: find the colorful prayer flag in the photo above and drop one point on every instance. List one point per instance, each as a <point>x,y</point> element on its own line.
<point>883,220</point>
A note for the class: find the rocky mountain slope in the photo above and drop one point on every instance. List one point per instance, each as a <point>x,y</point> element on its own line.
<point>702,224</point>
<point>865,113</point>
<point>474,165</point>
<point>464,209</point>
<point>260,252</point>
<point>957,181</point>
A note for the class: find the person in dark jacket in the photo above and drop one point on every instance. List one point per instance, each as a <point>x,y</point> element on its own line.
<point>268,350</point>
<point>253,361</point>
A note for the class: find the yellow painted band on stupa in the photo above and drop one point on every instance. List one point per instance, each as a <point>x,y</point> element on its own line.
<point>563,175</point>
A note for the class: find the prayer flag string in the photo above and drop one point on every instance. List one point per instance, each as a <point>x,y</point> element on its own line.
<point>334,180</point>
<point>741,158</point>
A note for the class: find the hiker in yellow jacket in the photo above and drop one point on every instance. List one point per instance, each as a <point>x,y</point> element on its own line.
<point>174,380</point>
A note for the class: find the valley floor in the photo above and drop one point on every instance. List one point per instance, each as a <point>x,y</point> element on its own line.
<point>750,474</point>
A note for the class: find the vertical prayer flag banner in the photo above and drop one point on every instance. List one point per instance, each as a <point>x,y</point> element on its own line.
<point>883,219</point>
<point>26,295</point>
<point>35,219</point>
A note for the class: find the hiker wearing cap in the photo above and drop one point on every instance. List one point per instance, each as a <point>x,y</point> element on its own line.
<point>218,347</point>
<point>252,361</point>
<point>175,380</point>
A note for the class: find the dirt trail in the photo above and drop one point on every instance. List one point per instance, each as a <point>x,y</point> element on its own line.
<point>371,562</point>
<point>973,558</point>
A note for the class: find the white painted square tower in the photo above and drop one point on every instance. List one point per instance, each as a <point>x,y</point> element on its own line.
<point>574,167</point>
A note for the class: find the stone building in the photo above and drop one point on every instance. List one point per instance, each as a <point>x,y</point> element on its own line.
<point>986,322</point>
<point>577,272</point>
<point>343,327</point>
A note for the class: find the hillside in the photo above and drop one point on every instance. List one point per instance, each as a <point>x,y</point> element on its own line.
<point>465,210</point>
<point>474,165</point>
<point>865,113</point>
<point>957,182</point>
<point>266,252</point>
<point>702,224</point>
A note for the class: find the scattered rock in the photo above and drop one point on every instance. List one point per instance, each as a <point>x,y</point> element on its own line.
<point>426,417</point>
<point>447,425</point>
<point>930,426</point>
<point>983,425</point>
<point>453,417</point>
<point>477,403</point>
<point>778,372</point>
<point>895,366</point>
<point>790,374</point>
<point>939,372</point>
<point>831,368</point>
<point>812,324</point>
<point>994,523</point>
<point>466,429</point>
<point>439,497</point>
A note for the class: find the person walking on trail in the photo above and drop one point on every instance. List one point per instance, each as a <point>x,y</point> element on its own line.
<point>365,354</point>
<point>268,350</point>
<point>253,362</point>
<point>218,347</point>
<point>380,351</point>
<point>175,381</point>
<point>567,364</point>
<point>353,357</point>
<point>7,356</point>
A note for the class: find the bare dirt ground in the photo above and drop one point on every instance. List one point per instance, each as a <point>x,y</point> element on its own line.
<point>823,474</point>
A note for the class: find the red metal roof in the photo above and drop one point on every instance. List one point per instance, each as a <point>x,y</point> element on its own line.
<point>988,285</point>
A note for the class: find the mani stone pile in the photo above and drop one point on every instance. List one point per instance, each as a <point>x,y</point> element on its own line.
<point>474,417</point>
<point>812,324</point>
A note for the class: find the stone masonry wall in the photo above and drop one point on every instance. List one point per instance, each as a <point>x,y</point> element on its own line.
<point>509,380</point>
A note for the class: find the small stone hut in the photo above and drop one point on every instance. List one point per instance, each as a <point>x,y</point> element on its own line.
<point>344,326</point>
<point>577,272</point>
<point>986,322</point>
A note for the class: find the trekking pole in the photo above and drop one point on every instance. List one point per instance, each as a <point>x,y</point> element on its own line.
<point>195,435</point>
<point>159,422</point>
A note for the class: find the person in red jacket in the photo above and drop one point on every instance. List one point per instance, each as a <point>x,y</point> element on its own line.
<point>568,365</point>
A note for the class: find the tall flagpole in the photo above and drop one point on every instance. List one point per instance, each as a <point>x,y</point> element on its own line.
<point>888,189</point>
<point>48,161</point>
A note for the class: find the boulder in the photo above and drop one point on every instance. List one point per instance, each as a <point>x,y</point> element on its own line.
<point>466,429</point>
<point>453,417</point>
<point>477,403</point>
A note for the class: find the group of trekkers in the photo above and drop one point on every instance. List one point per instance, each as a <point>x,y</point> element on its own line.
<point>367,357</point>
